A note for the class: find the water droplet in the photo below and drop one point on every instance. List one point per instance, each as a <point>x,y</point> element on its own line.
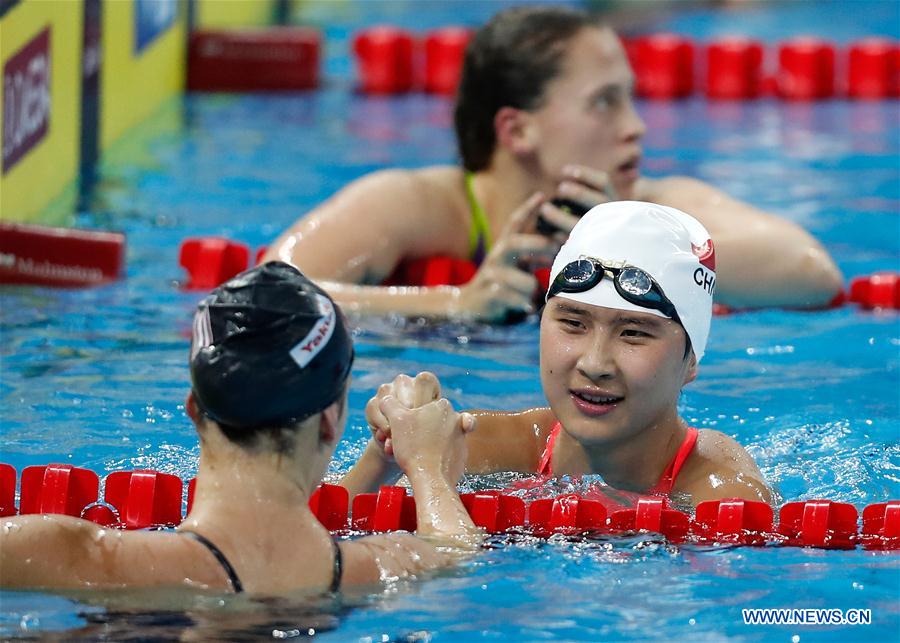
<point>29,621</point>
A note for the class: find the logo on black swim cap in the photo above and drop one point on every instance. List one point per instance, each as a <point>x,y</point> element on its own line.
<point>268,348</point>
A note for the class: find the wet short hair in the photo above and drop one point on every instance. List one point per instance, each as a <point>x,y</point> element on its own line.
<point>279,438</point>
<point>508,63</point>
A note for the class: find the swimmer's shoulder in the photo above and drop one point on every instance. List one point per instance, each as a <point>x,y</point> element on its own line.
<point>718,468</point>
<point>432,199</point>
<point>682,192</point>
<point>508,440</point>
<point>439,189</point>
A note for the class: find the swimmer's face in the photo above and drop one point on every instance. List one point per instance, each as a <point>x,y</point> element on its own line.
<point>588,117</point>
<point>609,374</point>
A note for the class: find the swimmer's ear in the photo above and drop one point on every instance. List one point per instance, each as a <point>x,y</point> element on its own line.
<point>328,423</point>
<point>190,407</point>
<point>515,130</point>
<point>691,373</point>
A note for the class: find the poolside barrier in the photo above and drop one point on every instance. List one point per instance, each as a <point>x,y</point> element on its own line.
<point>248,60</point>
<point>151,499</point>
<point>63,257</point>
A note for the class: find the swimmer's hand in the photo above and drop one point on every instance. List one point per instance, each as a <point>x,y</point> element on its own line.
<point>411,393</point>
<point>582,186</point>
<point>504,286</point>
<point>426,440</point>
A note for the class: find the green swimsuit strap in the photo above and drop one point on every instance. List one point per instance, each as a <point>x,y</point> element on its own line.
<point>479,233</point>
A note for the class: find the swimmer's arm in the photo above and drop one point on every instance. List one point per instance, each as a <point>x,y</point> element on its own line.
<point>352,242</point>
<point>440,514</point>
<point>761,259</point>
<point>732,484</point>
<point>370,472</point>
<point>384,558</point>
<point>508,441</point>
<point>63,552</point>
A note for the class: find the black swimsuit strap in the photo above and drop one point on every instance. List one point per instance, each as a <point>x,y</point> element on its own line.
<point>215,551</point>
<point>338,570</point>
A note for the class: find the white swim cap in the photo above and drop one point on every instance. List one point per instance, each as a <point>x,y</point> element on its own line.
<point>672,247</point>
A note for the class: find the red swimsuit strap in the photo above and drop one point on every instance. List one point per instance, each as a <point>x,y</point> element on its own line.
<point>666,481</point>
<point>544,467</point>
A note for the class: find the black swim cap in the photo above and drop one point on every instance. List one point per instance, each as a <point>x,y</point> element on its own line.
<point>269,348</point>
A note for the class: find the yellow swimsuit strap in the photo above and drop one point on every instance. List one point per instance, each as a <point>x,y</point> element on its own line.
<point>479,233</point>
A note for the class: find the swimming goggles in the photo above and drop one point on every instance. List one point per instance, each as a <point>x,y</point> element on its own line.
<point>634,285</point>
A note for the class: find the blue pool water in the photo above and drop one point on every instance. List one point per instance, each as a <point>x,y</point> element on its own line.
<point>97,378</point>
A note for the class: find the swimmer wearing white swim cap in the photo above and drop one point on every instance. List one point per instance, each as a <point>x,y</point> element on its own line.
<point>625,325</point>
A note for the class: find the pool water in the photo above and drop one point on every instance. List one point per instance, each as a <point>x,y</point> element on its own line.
<point>97,378</point>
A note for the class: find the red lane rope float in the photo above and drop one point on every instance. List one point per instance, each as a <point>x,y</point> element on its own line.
<point>329,503</point>
<point>7,490</point>
<point>733,521</point>
<point>494,511</point>
<point>144,498</point>
<point>445,49</point>
<point>818,523</point>
<point>664,66</point>
<point>880,290</point>
<point>61,257</point>
<point>388,510</point>
<point>57,489</point>
<point>805,69</point>
<point>246,60</point>
<point>873,66</point>
<point>652,515</point>
<point>384,60</point>
<point>210,261</point>
<point>567,514</point>
<point>881,526</point>
<point>147,498</point>
<point>734,69</point>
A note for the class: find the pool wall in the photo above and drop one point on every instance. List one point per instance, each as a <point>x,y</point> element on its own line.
<point>78,75</point>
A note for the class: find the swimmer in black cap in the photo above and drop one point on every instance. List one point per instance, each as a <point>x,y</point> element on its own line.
<point>270,365</point>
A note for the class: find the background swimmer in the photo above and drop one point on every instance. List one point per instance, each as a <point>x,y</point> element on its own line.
<point>626,322</point>
<point>270,366</point>
<point>544,110</point>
